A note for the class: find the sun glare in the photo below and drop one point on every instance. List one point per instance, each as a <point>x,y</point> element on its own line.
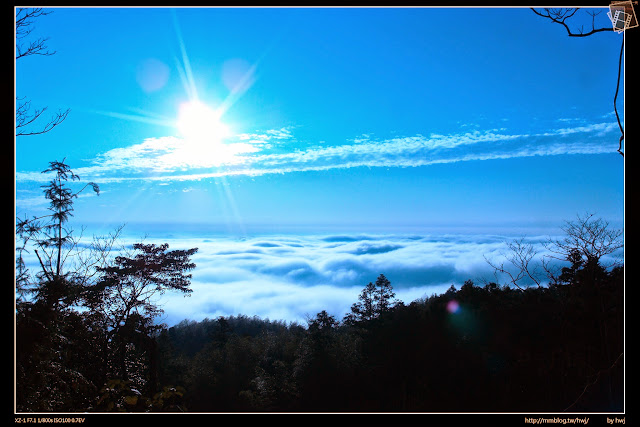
<point>200,123</point>
<point>202,135</point>
<point>204,144</point>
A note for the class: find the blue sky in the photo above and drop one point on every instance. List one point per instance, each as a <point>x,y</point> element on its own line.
<point>334,119</point>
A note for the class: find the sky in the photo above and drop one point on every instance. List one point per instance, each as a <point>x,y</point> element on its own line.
<point>373,124</point>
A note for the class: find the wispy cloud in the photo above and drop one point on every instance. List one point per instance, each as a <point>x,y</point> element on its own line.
<point>278,151</point>
<point>267,137</point>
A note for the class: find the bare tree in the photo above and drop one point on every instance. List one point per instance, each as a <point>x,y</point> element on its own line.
<point>562,16</point>
<point>589,238</point>
<point>25,18</point>
<point>520,264</point>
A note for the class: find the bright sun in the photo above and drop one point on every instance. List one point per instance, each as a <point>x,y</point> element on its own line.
<point>198,123</point>
<point>202,135</point>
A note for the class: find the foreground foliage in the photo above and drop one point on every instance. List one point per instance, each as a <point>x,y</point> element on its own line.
<point>86,317</point>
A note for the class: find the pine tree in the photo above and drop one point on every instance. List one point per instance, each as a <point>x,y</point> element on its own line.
<point>384,295</point>
<point>51,242</point>
<point>374,300</point>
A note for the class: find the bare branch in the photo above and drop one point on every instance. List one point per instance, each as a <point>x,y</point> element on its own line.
<point>592,238</point>
<point>604,371</point>
<point>523,254</point>
<point>561,15</point>
<point>24,27</point>
<point>502,270</point>
<point>24,119</point>
<point>44,270</point>
<point>520,257</point>
<point>615,108</point>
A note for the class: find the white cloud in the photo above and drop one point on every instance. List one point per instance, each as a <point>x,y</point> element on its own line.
<point>599,129</point>
<point>173,159</point>
<point>292,277</point>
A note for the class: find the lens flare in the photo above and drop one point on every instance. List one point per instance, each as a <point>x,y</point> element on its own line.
<point>453,306</point>
<point>152,75</point>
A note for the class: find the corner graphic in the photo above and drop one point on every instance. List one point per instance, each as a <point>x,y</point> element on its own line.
<point>622,15</point>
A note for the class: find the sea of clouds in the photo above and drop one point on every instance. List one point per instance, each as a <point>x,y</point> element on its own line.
<point>294,277</point>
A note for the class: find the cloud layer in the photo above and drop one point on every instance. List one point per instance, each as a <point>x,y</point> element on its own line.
<point>293,277</point>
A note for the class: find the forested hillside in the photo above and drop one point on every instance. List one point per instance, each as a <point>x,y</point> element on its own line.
<point>476,349</point>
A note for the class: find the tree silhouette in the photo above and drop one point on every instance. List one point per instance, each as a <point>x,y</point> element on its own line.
<point>122,302</point>
<point>49,332</point>
<point>384,295</point>
<point>51,240</point>
<point>520,267</point>
<point>587,239</point>
<point>561,16</point>
<point>24,27</point>
<point>363,309</point>
<point>322,323</point>
<point>374,300</point>
<point>24,117</point>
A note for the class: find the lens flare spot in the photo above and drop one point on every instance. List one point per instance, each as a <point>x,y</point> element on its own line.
<point>453,306</point>
<point>152,75</point>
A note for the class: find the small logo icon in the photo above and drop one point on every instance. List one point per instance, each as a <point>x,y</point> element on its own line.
<point>622,16</point>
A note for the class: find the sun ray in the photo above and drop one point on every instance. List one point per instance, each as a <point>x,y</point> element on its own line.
<point>184,68</point>
<point>147,118</point>
<point>232,203</point>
